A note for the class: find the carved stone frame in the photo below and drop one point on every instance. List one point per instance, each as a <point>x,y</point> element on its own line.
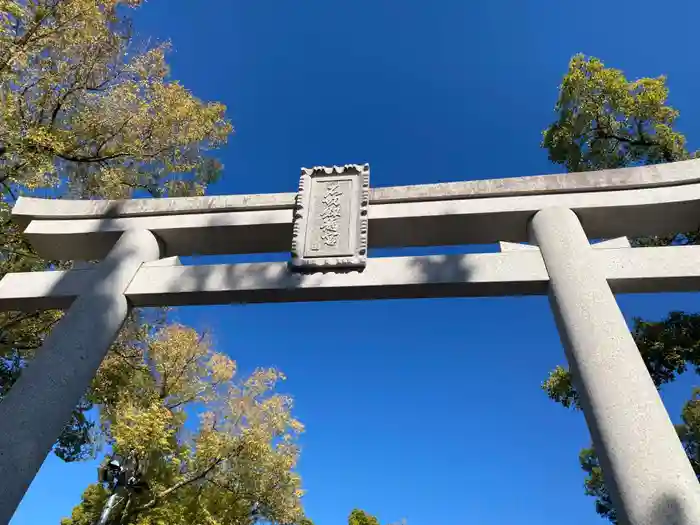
<point>357,259</point>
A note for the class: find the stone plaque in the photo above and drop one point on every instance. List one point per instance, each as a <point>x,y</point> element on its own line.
<point>330,218</point>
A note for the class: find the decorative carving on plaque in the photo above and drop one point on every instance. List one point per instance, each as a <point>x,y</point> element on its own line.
<point>330,218</point>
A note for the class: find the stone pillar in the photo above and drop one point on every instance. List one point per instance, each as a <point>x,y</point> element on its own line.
<point>646,470</point>
<point>40,404</point>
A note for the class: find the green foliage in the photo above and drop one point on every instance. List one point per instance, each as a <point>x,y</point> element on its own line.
<point>235,467</point>
<point>606,121</point>
<point>595,484</point>
<point>85,112</point>
<point>559,387</point>
<point>689,433</point>
<point>81,105</point>
<point>689,430</point>
<point>90,509</point>
<point>360,517</point>
<point>668,348</point>
<point>21,333</point>
<point>674,239</point>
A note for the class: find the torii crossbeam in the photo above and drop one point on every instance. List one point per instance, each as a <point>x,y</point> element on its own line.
<point>329,225</point>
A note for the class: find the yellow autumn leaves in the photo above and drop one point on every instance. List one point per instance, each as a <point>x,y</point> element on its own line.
<point>141,430</point>
<point>80,104</point>
<point>86,112</point>
<point>242,451</point>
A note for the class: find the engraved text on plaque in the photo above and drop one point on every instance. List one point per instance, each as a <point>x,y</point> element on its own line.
<point>330,219</point>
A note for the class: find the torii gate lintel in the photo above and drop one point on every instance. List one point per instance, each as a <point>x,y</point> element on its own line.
<point>329,226</point>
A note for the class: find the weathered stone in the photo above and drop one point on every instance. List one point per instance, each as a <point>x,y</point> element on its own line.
<point>647,471</point>
<point>673,173</point>
<point>619,242</point>
<point>642,459</point>
<point>39,404</point>
<point>330,218</point>
<point>400,218</point>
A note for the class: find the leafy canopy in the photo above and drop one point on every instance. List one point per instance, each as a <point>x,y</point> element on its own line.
<point>86,110</point>
<point>360,517</point>
<point>235,465</point>
<point>83,104</point>
<point>605,121</point>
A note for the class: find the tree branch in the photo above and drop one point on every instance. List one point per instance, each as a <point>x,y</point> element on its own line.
<point>21,253</point>
<point>114,134</point>
<point>642,141</point>
<point>16,320</point>
<point>188,480</point>
<point>83,158</point>
<point>128,361</point>
<point>188,362</point>
<point>9,190</point>
<point>183,401</point>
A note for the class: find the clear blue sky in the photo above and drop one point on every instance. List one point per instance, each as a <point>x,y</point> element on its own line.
<point>429,410</point>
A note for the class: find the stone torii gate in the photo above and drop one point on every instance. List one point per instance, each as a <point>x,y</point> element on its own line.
<point>329,224</point>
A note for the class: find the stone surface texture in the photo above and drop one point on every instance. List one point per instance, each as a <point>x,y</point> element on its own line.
<point>649,477</point>
<point>620,242</point>
<point>677,173</point>
<point>40,403</point>
<point>606,211</point>
<point>646,469</point>
<point>330,218</point>
<point>522,272</point>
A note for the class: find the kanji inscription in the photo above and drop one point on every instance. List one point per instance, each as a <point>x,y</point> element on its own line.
<point>330,219</point>
<point>330,216</point>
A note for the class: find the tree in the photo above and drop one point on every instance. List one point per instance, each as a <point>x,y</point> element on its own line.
<point>83,105</point>
<point>235,467</point>
<point>87,111</point>
<point>689,433</point>
<point>606,121</point>
<point>360,517</point>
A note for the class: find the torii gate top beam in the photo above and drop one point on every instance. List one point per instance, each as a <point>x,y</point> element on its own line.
<point>631,201</point>
<point>645,466</point>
